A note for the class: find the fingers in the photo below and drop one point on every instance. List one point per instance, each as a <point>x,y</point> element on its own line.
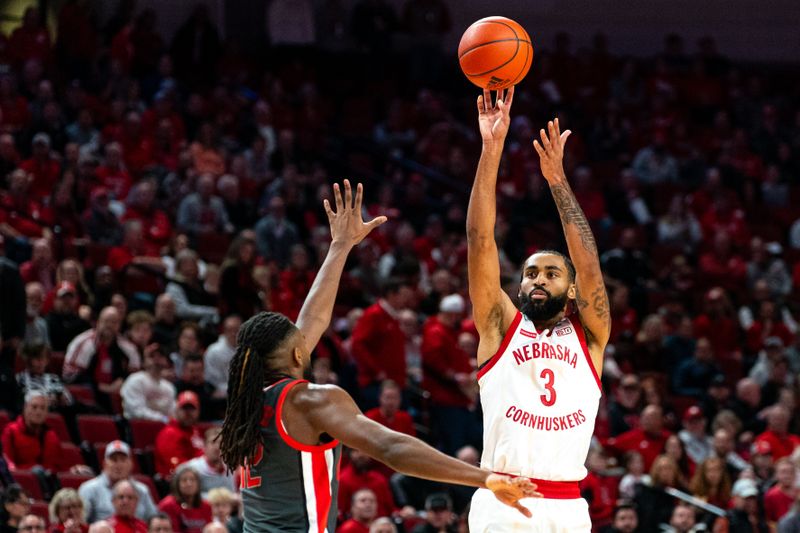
<point>565,136</point>
<point>328,211</point>
<point>522,509</point>
<point>337,195</point>
<point>509,96</point>
<point>545,140</point>
<point>551,131</point>
<point>538,148</point>
<point>359,197</point>
<point>375,222</point>
<point>487,99</point>
<point>348,195</point>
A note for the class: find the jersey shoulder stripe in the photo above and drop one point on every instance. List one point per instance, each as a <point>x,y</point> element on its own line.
<point>288,439</point>
<point>577,325</point>
<point>503,345</point>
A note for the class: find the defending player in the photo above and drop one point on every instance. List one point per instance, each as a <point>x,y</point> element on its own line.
<point>288,432</point>
<point>540,364</point>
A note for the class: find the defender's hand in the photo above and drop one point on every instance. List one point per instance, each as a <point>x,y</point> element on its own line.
<point>347,226</point>
<point>510,490</point>
<point>494,120</point>
<point>551,151</point>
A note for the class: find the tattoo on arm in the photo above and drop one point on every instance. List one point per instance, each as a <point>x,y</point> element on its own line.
<point>600,303</point>
<point>571,213</point>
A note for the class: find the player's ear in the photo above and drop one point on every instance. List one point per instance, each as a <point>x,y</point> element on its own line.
<point>297,355</point>
<point>572,292</point>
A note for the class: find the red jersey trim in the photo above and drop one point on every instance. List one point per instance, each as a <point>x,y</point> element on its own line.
<point>285,435</point>
<point>578,326</point>
<point>503,345</point>
<point>322,489</point>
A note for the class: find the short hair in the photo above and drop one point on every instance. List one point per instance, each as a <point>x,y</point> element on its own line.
<point>60,498</point>
<point>571,272</point>
<point>35,393</point>
<point>221,495</point>
<point>624,505</point>
<point>34,350</point>
<point>140,317</point>
<point>158,516</point>
<point>389,384</point>
<point>392,285</point>
<point>13,493</point>
<point>193,358</point>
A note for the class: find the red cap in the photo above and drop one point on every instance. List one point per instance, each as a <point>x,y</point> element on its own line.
<point>693,413</point>
<point>65,287</point>
<point>187,397</point>
<point>762,447</point>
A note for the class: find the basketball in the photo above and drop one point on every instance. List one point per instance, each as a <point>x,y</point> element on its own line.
<point>495,53</point>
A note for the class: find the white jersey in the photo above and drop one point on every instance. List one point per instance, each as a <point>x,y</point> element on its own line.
<point>540,393</point>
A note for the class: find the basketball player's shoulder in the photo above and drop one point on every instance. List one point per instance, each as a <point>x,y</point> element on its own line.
<point>307,395</point>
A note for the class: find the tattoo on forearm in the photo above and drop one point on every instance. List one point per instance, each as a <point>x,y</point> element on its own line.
<point>600,303</point>
<point>571,213</point>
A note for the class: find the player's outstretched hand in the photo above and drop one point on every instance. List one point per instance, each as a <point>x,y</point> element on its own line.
<point>510,490</point>
<point>494,120</point>
<point>551,150</point>
<point>347,225</point>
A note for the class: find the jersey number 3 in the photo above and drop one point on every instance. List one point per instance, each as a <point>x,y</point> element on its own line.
<point>248,480</point>
<point>549,398</point>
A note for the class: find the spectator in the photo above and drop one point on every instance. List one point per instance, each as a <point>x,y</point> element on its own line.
<point>791,522</point>
<point>133,251</point>
<point>625,519</point>
<point>165,327</point>
<point>185,507</point>
<point>447,375</point>
<point>146,394</point>
<point>683,520</point>
<point>747,405</point>
<point>781,442</point>
<point>188,346</point>
<point>32,523</point>
<point>64,324</point>
<point>156,226</point>
<point>101,223</point>
<point>717,323</point>
<point>723,447</point>
<point>218,355</point>
<point>679,227</point>
<point>745,516</point>
<point>202,211</point>
<point>378,332</point>
<point>239,210</point>
<point>160,523</point>
<point>693,376</point>
<point>213,473</point>
<point>362,474</point>
<point>28,441</point>
<point>766,263</point>
<point>67,513</point>
<point>649,439</point>
<point>179,440</point>
<point>22,216</point>
<point>383,524</point>
<point>388,411</point>
<point>35,326</point>
<point>102,526</point>
<point>717,397</point>
<point>779,498</point>
<point>16,504</point>
<point>102,357</point>
<point>654,164</point>
<point>212,403</point>
<point>693,435</point>
<point>439,516</point>
<point>711,482</point>
<point>42,166</point>
<point>97,492</point>
<point>192,301</point>
<point>653,504</point>
<point>237,286</point>
<point>275,234</point>
<point>363,511</point>
<point>34,377</point>
<point>224,504</point>
<point>635,473</point>
<point>623,410</point>
<point>40,267</point>
<point>125,500</point>
<point>761,461</point>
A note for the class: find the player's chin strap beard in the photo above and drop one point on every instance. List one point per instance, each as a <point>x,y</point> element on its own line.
<point>541,311</point>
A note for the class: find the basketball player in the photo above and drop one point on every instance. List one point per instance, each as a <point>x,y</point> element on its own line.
<point>540,364</point>
<point>287,433</point>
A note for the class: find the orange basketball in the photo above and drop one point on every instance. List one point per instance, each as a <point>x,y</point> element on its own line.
<point>495,53</point>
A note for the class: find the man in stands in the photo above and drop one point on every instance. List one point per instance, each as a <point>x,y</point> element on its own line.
<point>126,499</point>
<point>782,443</point>
<point>180,440</point>
<point>28,442</point>
<point>213,473</point>
<point>388,411</point>
<point>97,492</point>
<point>363,511</point>
<point>146,394</point>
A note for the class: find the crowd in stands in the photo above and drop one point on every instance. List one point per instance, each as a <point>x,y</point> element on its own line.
<point>157,193</point>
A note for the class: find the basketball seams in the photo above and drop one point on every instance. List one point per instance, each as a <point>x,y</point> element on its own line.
<point>525,65</point>
<point>468,50</point>
<point>519,36</point>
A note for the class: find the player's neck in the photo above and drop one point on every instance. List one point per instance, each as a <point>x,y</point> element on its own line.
<point>542,325</point>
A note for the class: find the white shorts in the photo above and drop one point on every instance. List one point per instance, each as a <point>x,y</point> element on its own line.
<point>488,515</point>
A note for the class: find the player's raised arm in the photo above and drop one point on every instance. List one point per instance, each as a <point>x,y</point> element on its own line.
<point>331,410</point>
<point>492,308</point>
<point>591,295</point>
<point>347,230</point>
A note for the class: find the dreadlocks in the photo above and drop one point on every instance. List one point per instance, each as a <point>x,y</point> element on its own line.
<point>250,371</point>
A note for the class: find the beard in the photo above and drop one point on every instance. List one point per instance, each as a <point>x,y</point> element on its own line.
<point>542,310</point>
